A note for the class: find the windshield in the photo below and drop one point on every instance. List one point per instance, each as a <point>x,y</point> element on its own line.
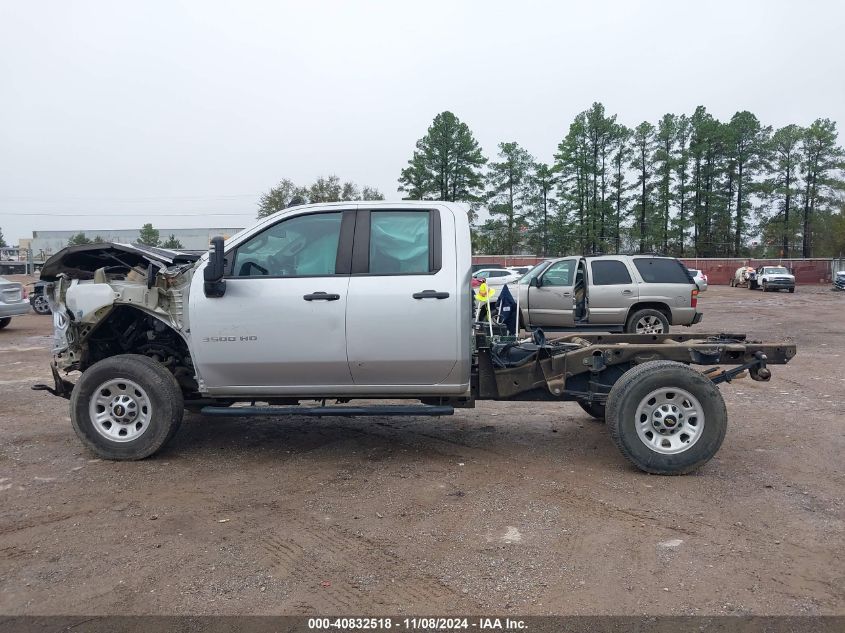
<point>527,277</point>
<point>776,270</point>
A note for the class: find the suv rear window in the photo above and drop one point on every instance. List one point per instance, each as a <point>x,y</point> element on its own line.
<point>655,270</point>
<point>609,273</point>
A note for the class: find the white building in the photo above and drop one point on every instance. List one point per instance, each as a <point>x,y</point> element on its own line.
<point>46,243</point>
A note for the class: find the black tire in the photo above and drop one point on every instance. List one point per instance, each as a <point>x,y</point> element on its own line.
<point>597,410</point>
<point>631,325</point>
<point>791,290</point>
<point>40,304</point>
<point>638,383</point>
<point>5,321</point>
<point>752,285</point>
<point>161,389</point>
<point>765,287</point>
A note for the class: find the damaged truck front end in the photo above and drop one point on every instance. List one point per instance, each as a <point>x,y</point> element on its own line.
<point>110,299</point>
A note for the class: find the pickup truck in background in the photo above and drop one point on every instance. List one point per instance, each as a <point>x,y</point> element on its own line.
<point>355,300</point>
<point>772,278</point>
<point>638,294</point>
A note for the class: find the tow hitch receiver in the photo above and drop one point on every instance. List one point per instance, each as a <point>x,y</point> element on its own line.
<point>756,368</point>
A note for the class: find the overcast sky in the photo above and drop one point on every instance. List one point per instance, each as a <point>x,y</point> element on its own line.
<point>170,112</point>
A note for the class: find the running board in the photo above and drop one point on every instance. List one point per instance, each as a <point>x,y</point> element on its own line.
<point>346,412</point>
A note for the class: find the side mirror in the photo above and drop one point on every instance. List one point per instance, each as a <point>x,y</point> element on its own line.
<point>537,282</point>
<point>215,286</point>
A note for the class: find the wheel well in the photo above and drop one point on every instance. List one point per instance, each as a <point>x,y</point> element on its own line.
<point>651,305</point>
<point>128,330</point>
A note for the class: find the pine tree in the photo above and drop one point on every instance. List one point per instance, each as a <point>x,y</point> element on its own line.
<point>821,160</point>
<point>148,235</point>
<point>748,140</point>
<point>782,181</point>
<point>78,240</point>
<point>542,183</point>
<point>172,242</point>
<point>682,140</point>
<point>446,164</point>
<point>508,190</point>
<point>621,158</point>
<point>643,162</point>
<point>667,130</point>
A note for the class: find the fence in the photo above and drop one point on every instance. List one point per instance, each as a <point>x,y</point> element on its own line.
<point>718,270</point>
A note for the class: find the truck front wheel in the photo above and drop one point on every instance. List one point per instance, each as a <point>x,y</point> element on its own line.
<point>126,407</point>
<point>666,418</point>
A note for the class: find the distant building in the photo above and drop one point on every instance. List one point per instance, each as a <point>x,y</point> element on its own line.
<point>46,243</point>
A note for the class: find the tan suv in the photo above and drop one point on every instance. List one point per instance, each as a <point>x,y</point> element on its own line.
<point>639,294</point>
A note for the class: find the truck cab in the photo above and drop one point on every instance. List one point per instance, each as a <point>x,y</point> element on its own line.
<point>329,299</point>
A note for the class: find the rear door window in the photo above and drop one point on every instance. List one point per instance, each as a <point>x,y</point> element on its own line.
<point>399,242</point>
<point>655,270</point>
<point>609,273</point>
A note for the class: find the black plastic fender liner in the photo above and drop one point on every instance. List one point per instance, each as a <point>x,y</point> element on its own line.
<point>346,412</point>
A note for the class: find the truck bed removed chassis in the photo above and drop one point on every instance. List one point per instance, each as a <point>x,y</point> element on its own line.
<point>581,367</point>
<point>584,367</point>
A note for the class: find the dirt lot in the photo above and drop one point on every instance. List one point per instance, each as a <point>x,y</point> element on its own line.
<point>510,508</point>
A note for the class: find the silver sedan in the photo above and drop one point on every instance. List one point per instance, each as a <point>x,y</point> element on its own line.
<point>13,301</point>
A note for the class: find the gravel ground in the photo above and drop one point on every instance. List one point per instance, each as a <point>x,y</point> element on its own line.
<point>522,508</point>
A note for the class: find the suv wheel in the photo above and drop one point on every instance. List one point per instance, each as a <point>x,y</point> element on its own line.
<point>647,321</point>
<point>126,407</point>
<point>666,418</point>
<point>4,322</point>
<point>40,304</point>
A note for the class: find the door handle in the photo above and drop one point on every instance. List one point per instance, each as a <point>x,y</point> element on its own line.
<point>567,294</point>
<point>321,296</point>
<point>627,292</point>
<point>430,294</point>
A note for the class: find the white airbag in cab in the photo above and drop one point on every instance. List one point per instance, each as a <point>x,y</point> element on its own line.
<point>84,299</point>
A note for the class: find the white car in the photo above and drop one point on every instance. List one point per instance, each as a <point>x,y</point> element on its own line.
<point>520,270</point>
<point>496,277</point>
<point>13,301</point>
<point>699,277</point>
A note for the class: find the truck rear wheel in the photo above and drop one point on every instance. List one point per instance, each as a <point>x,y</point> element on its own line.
<point>596,409</point>
<point>5,321</point>
<point>666,418</point>
<point>126,407</point>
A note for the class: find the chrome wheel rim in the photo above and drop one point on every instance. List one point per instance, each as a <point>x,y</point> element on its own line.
<point>120,410</point>
<point>41,305</point>
<point>649,325</point>
<point>669,420</point>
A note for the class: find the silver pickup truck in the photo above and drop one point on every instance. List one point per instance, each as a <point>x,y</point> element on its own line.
<point>344,301</point>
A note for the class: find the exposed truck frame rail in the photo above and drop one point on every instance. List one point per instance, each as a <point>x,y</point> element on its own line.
<point>584,367</point>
